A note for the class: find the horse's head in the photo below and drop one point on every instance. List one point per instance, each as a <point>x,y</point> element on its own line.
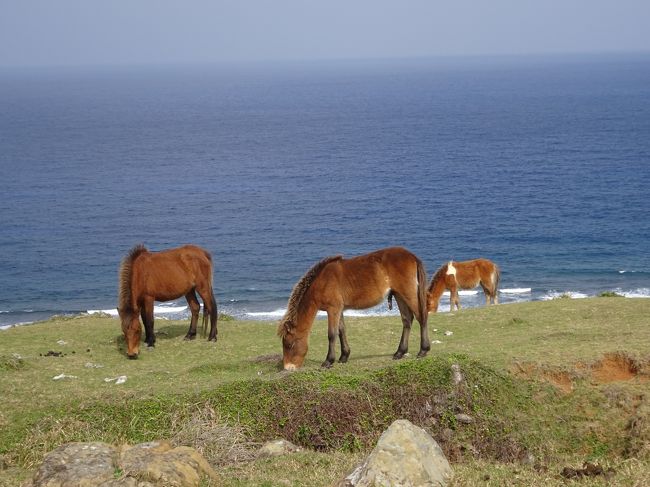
<point>432,302</point>
<point>294,346</point>
<point>132,331</point>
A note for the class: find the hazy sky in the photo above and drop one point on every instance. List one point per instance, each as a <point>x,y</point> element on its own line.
<point>80,32</point>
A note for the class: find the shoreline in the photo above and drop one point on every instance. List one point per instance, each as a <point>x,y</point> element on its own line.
<point>177,310</point>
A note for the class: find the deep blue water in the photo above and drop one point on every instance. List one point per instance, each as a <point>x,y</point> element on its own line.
<point>541,164</point>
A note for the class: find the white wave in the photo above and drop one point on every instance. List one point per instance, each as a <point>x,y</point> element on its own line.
<point>163,309</point>
<point>112,312</point>
<point>6,327</point>
<point>557,294</point>
<point>157,310</point>
<point>278,313</point>
<point>636,293</point>
<point>463,292</point>
<point>516,290</point>
<point>380,311</point>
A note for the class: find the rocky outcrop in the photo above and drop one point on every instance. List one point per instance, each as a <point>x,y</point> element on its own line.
<point>405,456</point>
<point>153,464</point>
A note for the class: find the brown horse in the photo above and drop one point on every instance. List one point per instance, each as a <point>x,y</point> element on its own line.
<point>335,284</point>
<point>146,277</point>
<point>463,275</point>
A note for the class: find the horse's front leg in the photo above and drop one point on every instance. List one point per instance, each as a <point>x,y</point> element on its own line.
<point>345,347</point>
<point>332,332</point>
<point>453,298</point>
<point>147,320</point>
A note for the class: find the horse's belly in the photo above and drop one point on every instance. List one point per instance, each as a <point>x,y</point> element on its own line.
<point>161,298</point>
<point>366,301</point>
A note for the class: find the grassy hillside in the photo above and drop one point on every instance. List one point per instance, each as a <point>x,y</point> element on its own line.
<point>546,385</point>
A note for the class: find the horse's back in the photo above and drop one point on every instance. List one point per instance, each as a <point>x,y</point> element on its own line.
<point>471,272</point>
<point>173,271</point>
<point>381,264</point>
<point>363,281</point>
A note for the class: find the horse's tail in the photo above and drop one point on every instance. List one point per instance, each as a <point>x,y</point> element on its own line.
<point>497,277</point>
<point>390,299</point>
<point>422,293</point>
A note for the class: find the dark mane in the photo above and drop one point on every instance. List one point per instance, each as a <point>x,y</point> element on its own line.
<point>288,321</point>
<point>440,274</point>
<point>126,267</point>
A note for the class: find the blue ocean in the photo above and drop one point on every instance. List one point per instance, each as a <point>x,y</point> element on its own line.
<point>541,164</point>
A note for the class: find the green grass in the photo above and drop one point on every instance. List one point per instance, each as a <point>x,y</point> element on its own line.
<point>235,390</point>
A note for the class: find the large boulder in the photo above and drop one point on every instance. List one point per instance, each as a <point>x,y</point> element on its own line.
<point>153,464</point>
<point>77,465</point>
<point>405,456</point>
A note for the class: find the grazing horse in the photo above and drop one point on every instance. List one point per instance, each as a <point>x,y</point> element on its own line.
<point>146,277</point>
<point>463,275</point>
<point>335,284</point>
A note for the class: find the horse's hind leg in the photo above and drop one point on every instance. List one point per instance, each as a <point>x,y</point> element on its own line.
<point>209,311</point>
<point>345,347</point>
<point>490,294</point>
<point>407,320</point>
<point>194,305</point>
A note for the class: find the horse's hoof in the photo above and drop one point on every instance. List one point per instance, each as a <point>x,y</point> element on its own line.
<point>189,337</point>
<point>398,355</point>
<point>213,339</point>
<point>343,360</point>
<point>327,364</point>
<point>423,353</point>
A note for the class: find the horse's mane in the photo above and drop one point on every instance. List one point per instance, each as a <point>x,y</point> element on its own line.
<point>288,322</point>
<point>440,274</point>
<point>126,268</point>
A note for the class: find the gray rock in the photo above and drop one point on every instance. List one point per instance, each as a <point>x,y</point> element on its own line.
<point>456,374</point>
<point>405,456</point>
<point>153,464</point>
<point>276,448</point>
<point>77,465</point>
<point>159,463</point>
<point>464,418</point>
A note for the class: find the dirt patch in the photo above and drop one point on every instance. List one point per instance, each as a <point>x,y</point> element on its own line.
<point>588,470</point>
<point>557,377</point>
<point>614,367</point>
<point>560,379</point>
<point>271,358</point>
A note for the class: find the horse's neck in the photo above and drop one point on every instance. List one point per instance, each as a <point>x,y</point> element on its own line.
<point>306,315</point>
<point>438,287</point>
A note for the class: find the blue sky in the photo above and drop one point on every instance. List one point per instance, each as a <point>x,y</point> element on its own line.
<point>90,32</point>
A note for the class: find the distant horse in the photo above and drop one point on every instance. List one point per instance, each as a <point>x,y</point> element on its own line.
<point>463,275</point>
<point>335,284</point>
<point>146,277</point>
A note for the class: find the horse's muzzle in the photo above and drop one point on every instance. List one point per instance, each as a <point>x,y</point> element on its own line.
<point>132,357</point>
